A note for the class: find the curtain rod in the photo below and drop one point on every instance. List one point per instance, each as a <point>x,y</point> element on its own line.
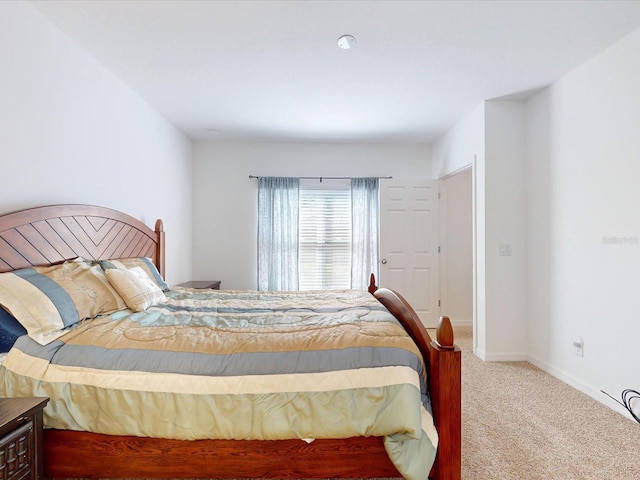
<point>325,178</point>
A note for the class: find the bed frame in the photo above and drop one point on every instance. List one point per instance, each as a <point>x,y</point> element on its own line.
<point>53,234</point>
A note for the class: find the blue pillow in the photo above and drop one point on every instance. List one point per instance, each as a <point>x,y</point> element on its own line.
<point>10,330</point>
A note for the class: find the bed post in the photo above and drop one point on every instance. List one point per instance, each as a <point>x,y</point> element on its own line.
<point>445,380</point>
<point>372,284</point>
<point>160,247</point>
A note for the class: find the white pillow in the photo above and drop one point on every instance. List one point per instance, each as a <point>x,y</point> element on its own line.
<point>135,286</point>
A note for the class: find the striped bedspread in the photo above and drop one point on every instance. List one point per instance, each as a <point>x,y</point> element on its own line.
<point>237,365</point>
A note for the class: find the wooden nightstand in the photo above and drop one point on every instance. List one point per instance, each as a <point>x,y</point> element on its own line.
<point>21,452</point>
<point>202,284</point>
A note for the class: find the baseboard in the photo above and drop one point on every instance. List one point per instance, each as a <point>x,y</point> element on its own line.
<point>589,390</point>
<point>500,357</point>
<point>461,323</point>
<point>480,354</point>
<point>505,357</point>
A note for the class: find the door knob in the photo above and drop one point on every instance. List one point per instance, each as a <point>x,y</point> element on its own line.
<point>383,261</point>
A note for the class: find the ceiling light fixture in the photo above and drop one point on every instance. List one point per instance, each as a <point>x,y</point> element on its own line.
<point>346,42</point>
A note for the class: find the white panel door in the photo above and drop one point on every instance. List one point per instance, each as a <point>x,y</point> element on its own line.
<point>409,237</point>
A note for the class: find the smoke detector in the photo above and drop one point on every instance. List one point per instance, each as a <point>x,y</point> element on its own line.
<point>346,42</point>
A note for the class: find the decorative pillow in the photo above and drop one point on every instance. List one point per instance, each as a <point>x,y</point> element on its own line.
<point>143,262</point>
<point>10,330</point>
<point>47,300</point>
<point>136,287</point>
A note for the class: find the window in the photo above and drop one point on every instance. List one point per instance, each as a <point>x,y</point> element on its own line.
<point>317,235</point>
<point>324,240</point>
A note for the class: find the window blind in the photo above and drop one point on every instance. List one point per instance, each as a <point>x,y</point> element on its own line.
<point>324,258</point>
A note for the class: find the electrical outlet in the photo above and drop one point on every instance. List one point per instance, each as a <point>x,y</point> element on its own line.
<point>578,346</point>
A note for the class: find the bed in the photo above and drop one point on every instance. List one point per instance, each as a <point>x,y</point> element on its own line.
<point>105,240</point>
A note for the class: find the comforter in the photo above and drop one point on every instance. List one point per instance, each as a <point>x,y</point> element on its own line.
<point>237,365</point>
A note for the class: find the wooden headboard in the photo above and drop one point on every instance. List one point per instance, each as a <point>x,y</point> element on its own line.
<point>55,233</point>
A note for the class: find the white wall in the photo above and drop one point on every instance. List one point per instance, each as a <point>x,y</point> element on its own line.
<point>491,140</point>
<point>556,177</point>
<point>457,148</point>
<point>582,178</point>
<point>72,132</point>
<point>504,224</point>
<point>225,199</point>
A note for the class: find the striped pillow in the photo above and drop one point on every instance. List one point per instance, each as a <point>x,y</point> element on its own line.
<point>48,300</point>
<point>143,262</point>
<point>136,287</point>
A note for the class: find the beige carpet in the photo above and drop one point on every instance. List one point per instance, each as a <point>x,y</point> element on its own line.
<point>521,423</point>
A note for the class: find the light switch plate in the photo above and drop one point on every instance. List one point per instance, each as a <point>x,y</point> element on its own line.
<point>505,249</point>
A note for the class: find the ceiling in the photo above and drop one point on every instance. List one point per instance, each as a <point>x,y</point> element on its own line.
<point>273,70</point>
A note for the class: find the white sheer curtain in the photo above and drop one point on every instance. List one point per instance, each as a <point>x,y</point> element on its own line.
<point>364,231</point>
<point>278,233</point>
